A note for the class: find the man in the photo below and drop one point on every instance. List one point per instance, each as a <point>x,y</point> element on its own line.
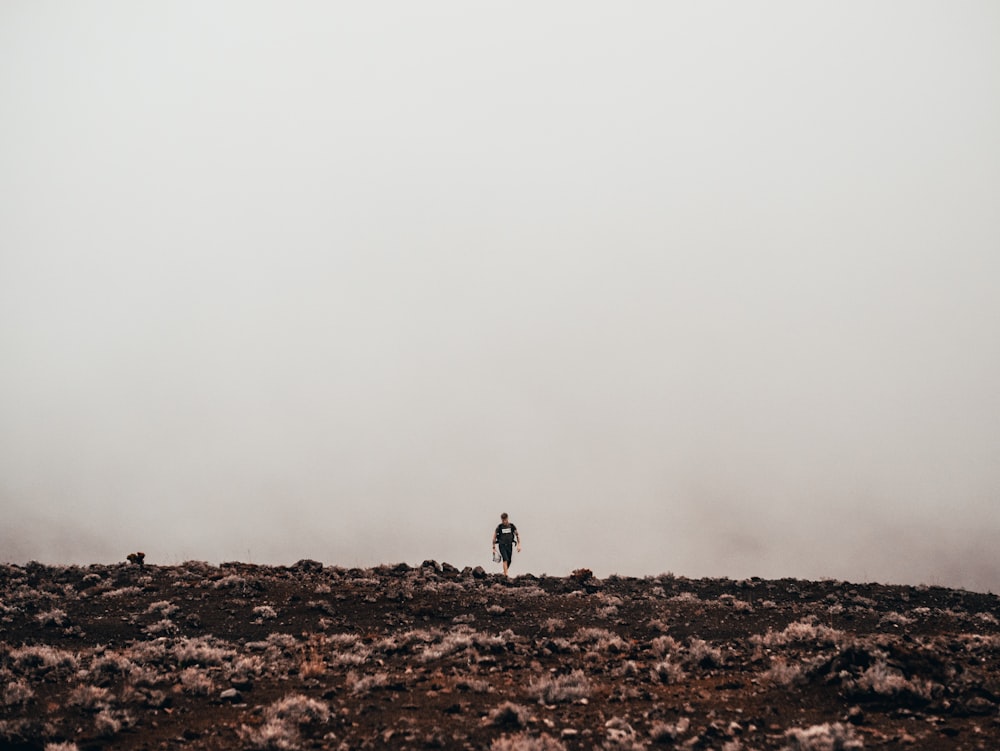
<point>505,535</point>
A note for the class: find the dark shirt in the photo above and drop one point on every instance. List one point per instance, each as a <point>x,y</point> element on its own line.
<point>505,534</point>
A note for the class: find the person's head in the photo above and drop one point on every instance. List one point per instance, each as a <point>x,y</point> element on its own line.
<point>503,517</point>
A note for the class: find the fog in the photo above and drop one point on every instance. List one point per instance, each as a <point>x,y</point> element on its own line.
<point>704,288</point>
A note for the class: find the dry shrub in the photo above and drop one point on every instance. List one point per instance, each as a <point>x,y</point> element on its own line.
<point>298,708</point>
<point>826,737</point>
<point>703,654</point>
<point>667,671</point>
<point>123,592</point>
<point>143,677</point>
<point>247,665</point>
<point>525,742</point>
<point>265,612</point>
<point>551,625</point>
<point>109,665</point>
<point>668,732</point>
<point>54,617</point>
<point>357,656</point>
<point>366,683</point>
<point>283,641</point>
<point>312,665</point>
<point>626,669</point>
<point>201,651</point>
<point>600,639</point>
<point>509,715</point>
<point>531,590</point>
<point>560,688</point>
<point>685,597</point>
<point>163,608</point>
<point>108,722</point>
<point>475,685</point>
<point>161,627</point>
<point>620,736</point>
<point>805,631</point>
<point>152,652</point>
<point>784,674</point>
<point>17,691</point>
<point>231,582</point>
<point>658,624</point>
<point>196,682</point>
<point>273,735</point>
<point>280,729</point>
<point>664,645</point>
<point>44,657</point>
<point>458,640</point>
<point>559,645</point>
<point>893,618</point>
<point>882,679</point>
<point>88,697</point>
<point>980,642</point>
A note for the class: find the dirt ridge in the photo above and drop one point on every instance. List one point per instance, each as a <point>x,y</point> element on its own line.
<point>135,656</point>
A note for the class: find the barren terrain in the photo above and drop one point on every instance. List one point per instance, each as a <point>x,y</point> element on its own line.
<point>309,656</point>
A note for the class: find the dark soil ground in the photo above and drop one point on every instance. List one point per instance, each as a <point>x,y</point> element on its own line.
<point>314,657</point>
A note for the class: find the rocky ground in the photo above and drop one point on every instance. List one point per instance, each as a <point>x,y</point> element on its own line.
<point>308,656</point>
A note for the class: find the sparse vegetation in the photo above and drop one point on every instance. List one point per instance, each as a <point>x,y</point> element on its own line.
<point>509,715</point>
<point>525,742</point>
<point>826,737</point>
<point>560,688</point>
<point>243,656</point>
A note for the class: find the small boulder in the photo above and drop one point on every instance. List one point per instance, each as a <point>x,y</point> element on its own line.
<point>308,566</point>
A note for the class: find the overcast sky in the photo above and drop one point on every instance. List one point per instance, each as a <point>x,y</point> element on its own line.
<point>709,288</point>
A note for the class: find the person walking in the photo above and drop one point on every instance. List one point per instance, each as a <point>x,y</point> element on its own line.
<point>505,535</point>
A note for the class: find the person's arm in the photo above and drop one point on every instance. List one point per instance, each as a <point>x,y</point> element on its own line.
<point>494,539</point>
<point>518,532</point>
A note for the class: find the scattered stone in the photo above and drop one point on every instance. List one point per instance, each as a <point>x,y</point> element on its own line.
<point>978,706</point>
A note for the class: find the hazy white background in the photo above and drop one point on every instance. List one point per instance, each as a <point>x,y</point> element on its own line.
<point>709,288</point>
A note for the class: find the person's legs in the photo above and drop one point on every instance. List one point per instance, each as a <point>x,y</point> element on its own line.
<point>506,551</point>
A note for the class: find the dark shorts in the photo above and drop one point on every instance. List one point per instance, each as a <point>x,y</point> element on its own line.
<point>506,550</point>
